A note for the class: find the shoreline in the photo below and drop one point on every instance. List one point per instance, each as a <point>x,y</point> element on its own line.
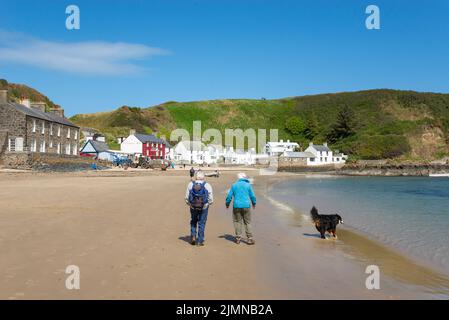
<point>364,247</point>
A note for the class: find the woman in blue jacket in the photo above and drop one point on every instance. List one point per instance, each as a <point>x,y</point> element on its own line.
<point>243,194</point>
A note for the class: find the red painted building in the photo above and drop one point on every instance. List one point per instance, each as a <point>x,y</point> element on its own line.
<point>145,144</point>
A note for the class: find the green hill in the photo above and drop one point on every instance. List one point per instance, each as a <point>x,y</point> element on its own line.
<point>373,124</point>
<point>18,92</point>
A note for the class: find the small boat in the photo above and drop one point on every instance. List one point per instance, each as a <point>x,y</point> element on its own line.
<point>439,175</point>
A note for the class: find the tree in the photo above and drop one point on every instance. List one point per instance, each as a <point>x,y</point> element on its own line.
<point>344,125</point>
<point>312,127</point>
<point>295,125</point>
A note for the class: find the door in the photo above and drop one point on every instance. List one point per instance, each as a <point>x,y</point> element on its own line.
<point>19,144</point>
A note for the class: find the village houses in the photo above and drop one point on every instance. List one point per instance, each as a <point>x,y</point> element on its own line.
<point>315,155</point>
<point>27,127</point>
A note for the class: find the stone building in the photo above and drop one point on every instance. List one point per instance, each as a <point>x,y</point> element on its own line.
<point>26,127</point>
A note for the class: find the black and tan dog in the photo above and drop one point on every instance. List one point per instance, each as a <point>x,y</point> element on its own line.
<point>325,222</point>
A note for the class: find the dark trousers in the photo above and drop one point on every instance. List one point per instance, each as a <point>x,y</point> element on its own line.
<point>198,223</point>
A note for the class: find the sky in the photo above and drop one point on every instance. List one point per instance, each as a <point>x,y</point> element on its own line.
<point>143,53</point>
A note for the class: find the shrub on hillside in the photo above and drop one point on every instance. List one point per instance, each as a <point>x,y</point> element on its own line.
<point>380,147</point>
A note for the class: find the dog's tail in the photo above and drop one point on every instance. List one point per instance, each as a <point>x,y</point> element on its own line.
<point>314,213</point>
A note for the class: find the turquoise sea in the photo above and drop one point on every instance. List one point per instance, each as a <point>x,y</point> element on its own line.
<point>409,214</point>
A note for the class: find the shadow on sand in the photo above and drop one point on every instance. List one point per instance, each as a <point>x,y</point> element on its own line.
<point>185,239</point>
<point>227,237</point>
<point>312,235</point>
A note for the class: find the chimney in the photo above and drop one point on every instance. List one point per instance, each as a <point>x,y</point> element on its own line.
<point>325,144</point>
<point>57,112</point>
<point>26,102</point>
<point>310,143</point>
<point>39,106</point>
<point>132,132</point>
<point>3,96</point>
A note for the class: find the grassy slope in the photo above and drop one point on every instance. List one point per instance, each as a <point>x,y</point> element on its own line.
<point>17,92</point>
<point>389,123</point>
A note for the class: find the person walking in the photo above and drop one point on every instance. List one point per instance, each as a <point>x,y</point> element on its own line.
<point>243,194</point>
<point>192,173</point>
<point>199,196</point>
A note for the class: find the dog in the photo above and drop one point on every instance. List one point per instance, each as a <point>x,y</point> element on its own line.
<point>325,222</point>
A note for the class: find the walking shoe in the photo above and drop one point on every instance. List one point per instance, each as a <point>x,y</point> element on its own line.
<point>201,244</point>
<point>237,240</point>
<point>251,241</point>
<point>192,240</point>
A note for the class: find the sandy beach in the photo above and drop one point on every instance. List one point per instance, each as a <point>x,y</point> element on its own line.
<point>128,230</point>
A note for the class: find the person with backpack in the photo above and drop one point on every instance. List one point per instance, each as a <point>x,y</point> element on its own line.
<point>243,194</point>
<point>199,196</point>
<point>192,173</point>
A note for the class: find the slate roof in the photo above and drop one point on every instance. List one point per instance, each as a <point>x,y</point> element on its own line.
<point>144,138</point>
<point>299,155</point>
<point>36,113</point>
<point>320,147</point>
<point>99,146</point>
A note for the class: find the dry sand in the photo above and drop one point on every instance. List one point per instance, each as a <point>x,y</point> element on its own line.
<point>128,231</point>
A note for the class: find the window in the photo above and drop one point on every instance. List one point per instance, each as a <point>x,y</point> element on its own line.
<point>33,145</point>
<point>51,143</point>
<point>76,134</point>
<point>42,147</point>
<point>74,149</point>
<point>67,149</point>
<point>12,144</point>
<point>43,127</point>
<point>58,148</point>
<point>59,131</point>
<point>51,129</point>
<point>68,134</point>
<point>312,159</point>
<point>321,159</point>
<point>34,126</point>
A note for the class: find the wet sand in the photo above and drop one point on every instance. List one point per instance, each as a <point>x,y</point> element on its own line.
<point>127,232</point>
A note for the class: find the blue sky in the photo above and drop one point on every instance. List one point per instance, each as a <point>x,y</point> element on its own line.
<point>142,53</point>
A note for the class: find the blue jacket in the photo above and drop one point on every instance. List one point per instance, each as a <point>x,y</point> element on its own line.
<point>243,194</point>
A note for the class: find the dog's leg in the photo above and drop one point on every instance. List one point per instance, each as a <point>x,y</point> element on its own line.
<point>334,234</point>
<point>323,232</point>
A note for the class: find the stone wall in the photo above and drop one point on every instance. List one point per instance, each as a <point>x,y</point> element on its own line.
<point>13,121</point>
<point>51,137</point>
<point>305,168</point>
<point>292,162</point>
<point>393,169</point>
<point>3,141</point>
<point>47,161</point>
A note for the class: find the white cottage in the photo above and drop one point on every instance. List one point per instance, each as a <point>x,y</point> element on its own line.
<point>189,152</point>
<point>322,155</point>
<point>275,149</point>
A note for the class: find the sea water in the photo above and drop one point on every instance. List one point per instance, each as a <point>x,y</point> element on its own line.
<point>410,214</point>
